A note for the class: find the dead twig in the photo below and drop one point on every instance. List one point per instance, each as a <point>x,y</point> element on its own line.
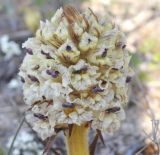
<point>15,136</point>
<point>154,135</point>
<point>47,146</point>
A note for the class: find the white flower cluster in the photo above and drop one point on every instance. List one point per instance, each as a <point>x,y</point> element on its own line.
<point>76,71</point>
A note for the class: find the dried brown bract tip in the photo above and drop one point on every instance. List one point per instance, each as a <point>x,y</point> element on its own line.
<point>71,14</point>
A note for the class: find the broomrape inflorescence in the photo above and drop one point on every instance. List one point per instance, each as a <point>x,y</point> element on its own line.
<point>76,71</point>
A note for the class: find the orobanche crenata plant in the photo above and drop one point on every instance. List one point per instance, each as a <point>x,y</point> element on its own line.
<point>75,74</point>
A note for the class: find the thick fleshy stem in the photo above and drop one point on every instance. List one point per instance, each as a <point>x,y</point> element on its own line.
<point>77,141</point>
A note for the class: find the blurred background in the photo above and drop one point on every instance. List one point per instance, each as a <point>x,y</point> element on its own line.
<point>139,19</point>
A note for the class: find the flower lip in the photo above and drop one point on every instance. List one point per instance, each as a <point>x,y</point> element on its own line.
<point>33,78</point>
<point>68,48</point>
<point>128,79</point>
<point>40,116</point>
<point>104,52</point>
<point>29,51</point>
<point>89,40</point>
<point>22,79</point>
<point>46,54</point>
<point>114,69</point>
<point>120,45</point>
<point>123,46</point>
<point>113,110</point>
<point>43,97</point>
<point>68,105</point>
<point>53,73</point>
<point>97,89</point>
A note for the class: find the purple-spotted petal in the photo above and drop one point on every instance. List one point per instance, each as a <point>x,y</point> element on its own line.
<point>53,73</point>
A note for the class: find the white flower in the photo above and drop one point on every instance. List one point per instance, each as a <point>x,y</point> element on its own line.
<point>77,29</point>
<point>42,127</point>
<point>104,123</point>
<point>68,52</point>
<point>107,122</point>
<point>51,90</point>
<point>99,101</point>
<point>32,44</point>
<point>74,117</point>
<point>88,42</point>
<point>116,76</point>
<point>83,75</point>
<point>62,112</point>
<point>46,30</point>
<point>101,56</point>
<point>57,17</point>
<point>62,31</point>
<point>31,93</point>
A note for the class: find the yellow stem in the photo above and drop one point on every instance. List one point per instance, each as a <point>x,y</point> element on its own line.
<point>77,142</point>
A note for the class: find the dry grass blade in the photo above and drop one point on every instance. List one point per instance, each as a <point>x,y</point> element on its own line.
<point>93,145</point>
<point>154,136</point>
<point>87,23</point>
<point>100,136</point>
<point>42,142</point>
<point>16,134</point>
<point>49,145</point>
<point>94,14</point>
<point>95,140</point>
<point>97,31</point>
<point>143,148</point>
